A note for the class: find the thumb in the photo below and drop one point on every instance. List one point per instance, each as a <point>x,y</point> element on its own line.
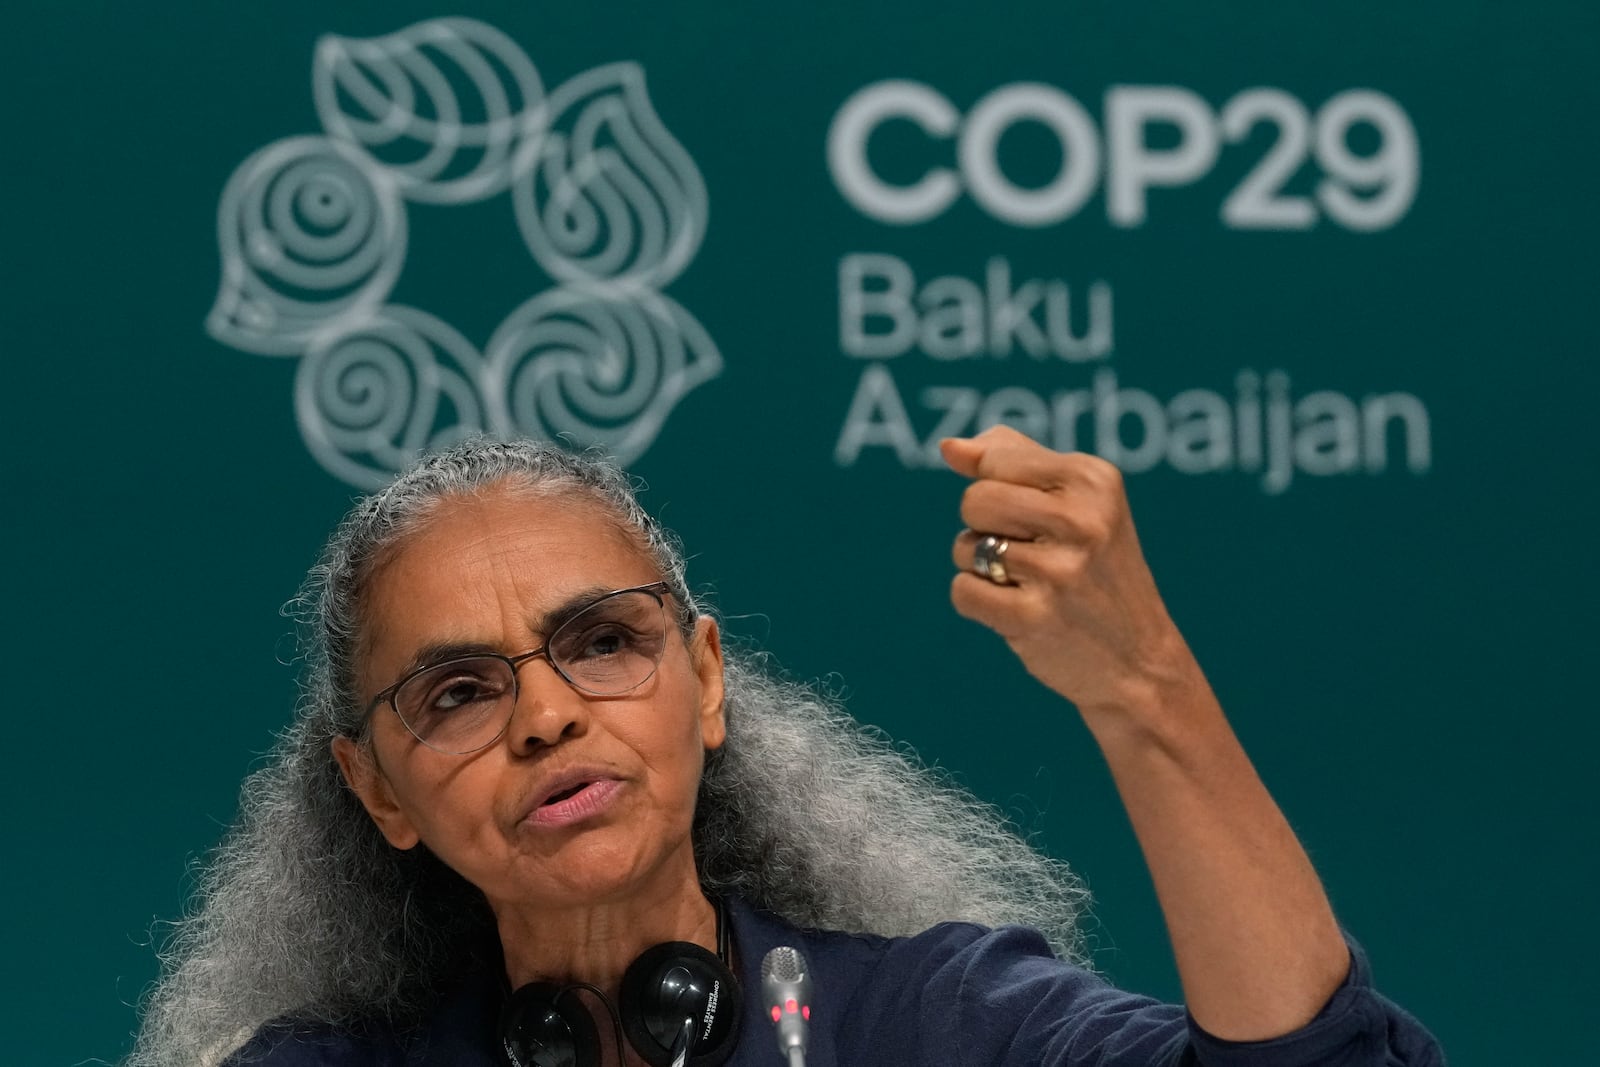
<point>963,454</point>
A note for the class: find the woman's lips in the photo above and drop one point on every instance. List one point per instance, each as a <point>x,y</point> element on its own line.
<point>591,799</point>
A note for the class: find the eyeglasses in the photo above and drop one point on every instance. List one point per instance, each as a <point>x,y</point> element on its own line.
<point>461,705</point>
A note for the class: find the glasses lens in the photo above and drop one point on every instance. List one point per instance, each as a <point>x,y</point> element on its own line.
<point>460,705</point>
<point>613,645</point>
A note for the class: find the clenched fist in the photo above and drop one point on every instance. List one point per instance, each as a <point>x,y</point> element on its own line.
<point>1081,608</point>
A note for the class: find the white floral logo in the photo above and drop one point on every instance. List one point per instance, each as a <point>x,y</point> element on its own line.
<point>313,232</point>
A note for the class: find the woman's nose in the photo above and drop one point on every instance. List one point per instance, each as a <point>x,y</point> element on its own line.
<point>547,708</point>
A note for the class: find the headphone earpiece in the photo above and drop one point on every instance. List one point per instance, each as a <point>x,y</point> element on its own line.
<point>668,986</point>
<point>674,983</point>
<point>545,1025</point>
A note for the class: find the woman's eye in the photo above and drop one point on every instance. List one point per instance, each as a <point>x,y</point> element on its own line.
<point>460,691</point>
<point>606,642</point>
<point>597,642</point>
<point>456,695</point>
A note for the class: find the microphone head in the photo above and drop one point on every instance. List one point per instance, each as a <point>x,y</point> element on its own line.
<point>786,988</point>
<point>783,964</point>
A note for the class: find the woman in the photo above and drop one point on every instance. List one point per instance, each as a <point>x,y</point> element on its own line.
<point>524,761</point>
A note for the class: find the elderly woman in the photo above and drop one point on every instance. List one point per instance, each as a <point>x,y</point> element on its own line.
<point>531,812</point>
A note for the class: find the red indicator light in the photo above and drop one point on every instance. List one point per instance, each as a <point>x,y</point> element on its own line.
<point>790,1006</point>
<point>805,1013</point>
<point>775,1013</point>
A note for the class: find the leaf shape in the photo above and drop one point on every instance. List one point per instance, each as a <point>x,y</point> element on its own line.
<point>447,107</point>
<point>308,238</point>
<point>605,371</point>
<point>370,399</point>
<point>609,196</point>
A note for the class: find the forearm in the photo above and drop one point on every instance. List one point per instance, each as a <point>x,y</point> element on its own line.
<point>1256,943</point>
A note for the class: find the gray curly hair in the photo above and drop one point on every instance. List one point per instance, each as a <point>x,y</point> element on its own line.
<point>305,909</point>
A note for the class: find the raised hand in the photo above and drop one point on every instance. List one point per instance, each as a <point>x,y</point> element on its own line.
<point>1255,941</point>
<point>1080,606</point>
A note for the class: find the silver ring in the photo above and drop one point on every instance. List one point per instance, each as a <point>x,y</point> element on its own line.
<point>989,559</point>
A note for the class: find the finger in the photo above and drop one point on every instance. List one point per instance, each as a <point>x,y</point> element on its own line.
<point>1007,455</point>
<point>1021,559</point>
<point>1000,608</point>
<point>1075,514</point>
<point>963,453</point>
<point>1014,510</point>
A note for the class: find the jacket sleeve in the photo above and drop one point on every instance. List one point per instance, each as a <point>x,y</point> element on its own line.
<point>1001,998</point>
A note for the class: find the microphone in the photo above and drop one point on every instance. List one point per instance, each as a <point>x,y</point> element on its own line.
<point>786,984</point>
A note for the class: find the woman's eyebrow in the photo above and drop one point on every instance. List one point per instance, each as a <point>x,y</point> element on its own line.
<point>439,651</point>
<point>569,607</point>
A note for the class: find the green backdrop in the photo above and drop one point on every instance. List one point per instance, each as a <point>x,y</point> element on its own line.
<point>1320,277</point>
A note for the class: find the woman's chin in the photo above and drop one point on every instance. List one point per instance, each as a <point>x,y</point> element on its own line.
<point>597,868</point>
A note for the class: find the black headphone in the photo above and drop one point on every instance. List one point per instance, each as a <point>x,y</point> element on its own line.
<point>679,1004</point>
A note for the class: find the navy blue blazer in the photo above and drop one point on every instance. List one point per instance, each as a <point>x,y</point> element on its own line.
<point>958,993</point>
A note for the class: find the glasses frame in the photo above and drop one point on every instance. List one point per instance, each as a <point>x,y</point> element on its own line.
<point>659,590</point>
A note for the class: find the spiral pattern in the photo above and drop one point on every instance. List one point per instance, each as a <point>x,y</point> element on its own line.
<point>448,108</point>
<point>313,236</point>
<point>601,371</point>
<point>611,197</point>
<point>371,398</point>
<point>307,237</point>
